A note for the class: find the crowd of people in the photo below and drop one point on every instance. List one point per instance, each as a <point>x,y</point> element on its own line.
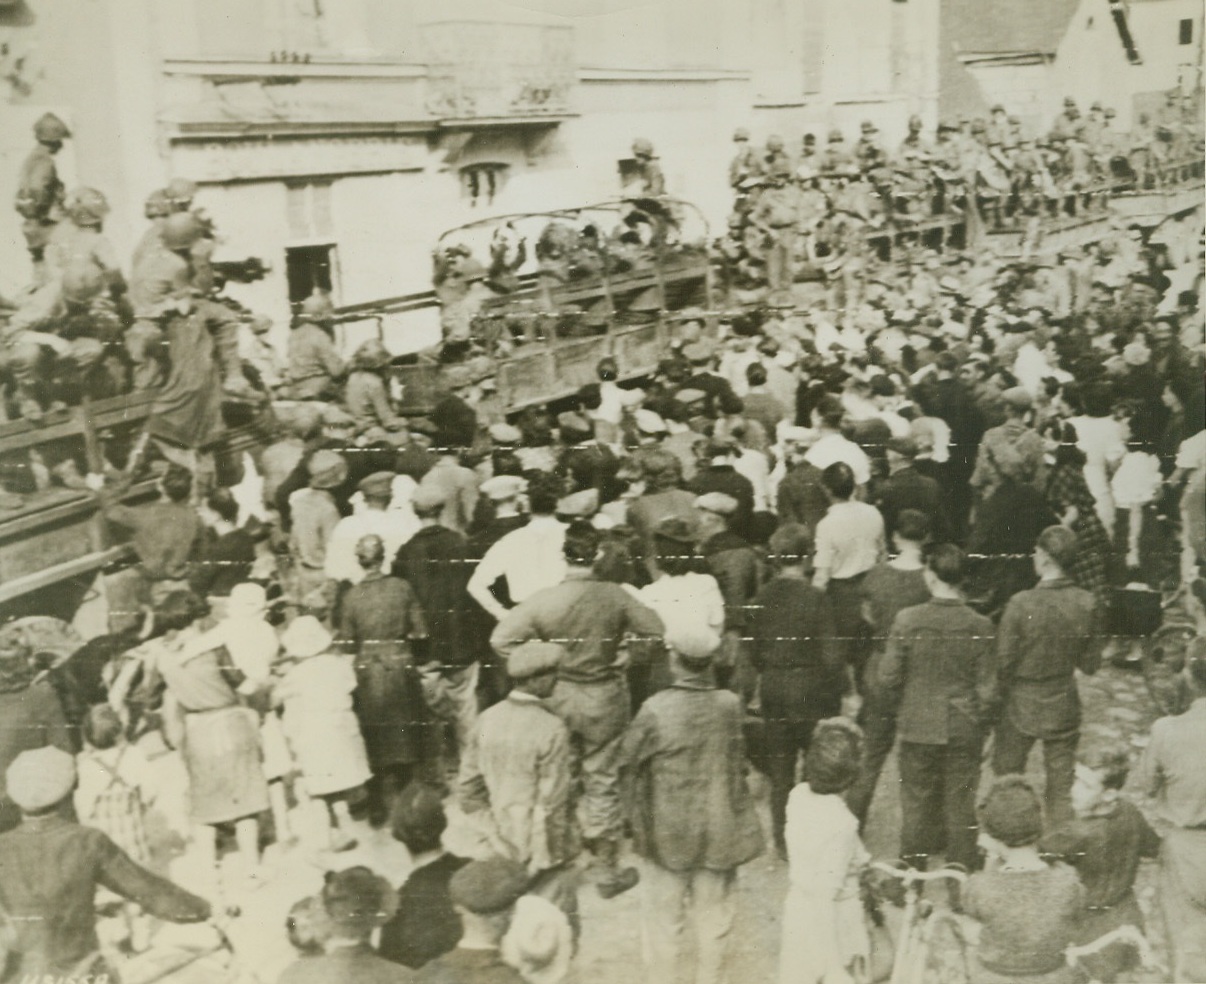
<point>905,518</point>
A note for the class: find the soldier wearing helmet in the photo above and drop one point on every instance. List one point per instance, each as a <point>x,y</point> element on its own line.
<point>157,208</point>
<point>39,190</point>
<point>648,172</point>
<point>82,240</point>
<point>57,336</point>
<point>315,368</point>
<point>180,193</point>
<point>745,164</point>
<point>776,215</point>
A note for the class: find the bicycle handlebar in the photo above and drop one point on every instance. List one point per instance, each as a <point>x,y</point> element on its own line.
<point>912,874</point>
<point>1129,934</point>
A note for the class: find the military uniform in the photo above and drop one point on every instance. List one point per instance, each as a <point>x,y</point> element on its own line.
<point>40,197</point>
<point>777,212</point>
<point>313,364</point>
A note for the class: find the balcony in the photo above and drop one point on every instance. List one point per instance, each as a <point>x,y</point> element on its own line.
<point>482,73</point>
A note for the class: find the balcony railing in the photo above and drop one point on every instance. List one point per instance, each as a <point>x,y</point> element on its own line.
<point>482,70</point>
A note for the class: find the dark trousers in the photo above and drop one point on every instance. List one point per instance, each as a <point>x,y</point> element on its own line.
<point>1059,760</point>
<point>784,741</point>
<point>938,786</point>
<point>878,721</point>
<point>853,635</point>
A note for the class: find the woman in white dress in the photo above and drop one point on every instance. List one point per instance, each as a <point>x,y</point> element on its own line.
<point>825,938</point>
<point>315,689</point>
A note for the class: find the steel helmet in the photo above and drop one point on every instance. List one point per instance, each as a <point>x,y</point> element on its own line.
<point>741,134</point>
<point>87,207</point>
<point>642,147</point>
<point>158,205</point>
<point>181,231</point>
<point>181,191</point>
<point>81,282</point>
<point>774,142</point>
<point>317,307</point>
<point>50,129</point>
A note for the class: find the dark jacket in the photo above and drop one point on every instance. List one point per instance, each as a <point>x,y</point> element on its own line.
<point>425,925</point>
<point>802,498</point>
<point>719,397</point>
<point>435,564</point>
<point>459,966</point>
<point>795,649</point>
<point>349,963</point>
<point>49,872</point>
<point>1046,634</point>
<point>939,669</point>
<point>734,564</point>
<point>683,769</point>
<point>909,489</point>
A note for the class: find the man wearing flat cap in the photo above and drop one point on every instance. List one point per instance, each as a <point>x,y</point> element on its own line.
<point>718,474</point>
<point>315,515</point>
<point>484,894</point>
<point>1012,452</point>
<point>693,819</point>
<point>1046,634</point>
<point>590,617</point>
<point>435,562</point>
<point>518,771</point>
<point>50,869</point>
<point>734,564</point>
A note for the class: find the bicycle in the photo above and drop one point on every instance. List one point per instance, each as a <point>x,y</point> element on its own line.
<point>1130,935</point>
<point>920,922</point>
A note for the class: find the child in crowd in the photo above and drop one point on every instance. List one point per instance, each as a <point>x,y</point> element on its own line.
<point>1105,844</point>
<point>824,930</point>
<point>109,796</point>
<point>1028,908</point>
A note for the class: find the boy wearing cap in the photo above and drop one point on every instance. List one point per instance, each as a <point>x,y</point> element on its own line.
<point>484,894</point>
<point>683,763</point>
<point>1046,634</point>
<point>517,767</point>
<point>50,869</point>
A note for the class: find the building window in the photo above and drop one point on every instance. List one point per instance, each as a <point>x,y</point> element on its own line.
<point>481,182</point>
<point>1186,31</point>
<point>309,207</point>
<point>309,268</point>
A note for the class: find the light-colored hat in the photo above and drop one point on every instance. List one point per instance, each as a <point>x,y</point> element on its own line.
<point>327,469</point>
<point>306,637</point>
<point>379,484</point>
<point>693,640</point>
<point>247,600</point>
<point>649,422</point>
<point>632,397</point>
<point>534,657</point>
<point>505,433</point>
<point>718,503</point>
<point>40,778</point>
<point>1018,396</point>
<point>1136,354</point>
<point>539,942</point>
<point>503,487</point>
<point>427,498</point>
<point>580,504</point>
<point>798,435</point>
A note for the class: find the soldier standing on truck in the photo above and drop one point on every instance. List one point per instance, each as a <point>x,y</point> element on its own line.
<point>40,193</point>
<point>776,215</point>
<point>648,170</point>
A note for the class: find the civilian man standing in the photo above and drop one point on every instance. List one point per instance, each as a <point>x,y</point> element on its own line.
<point>939,668</point>
<point>589,618</point>
<point>693,817</point>
<point>1046,634</point>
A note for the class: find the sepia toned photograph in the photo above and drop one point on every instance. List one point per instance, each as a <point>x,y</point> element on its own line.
<point>602,491</point>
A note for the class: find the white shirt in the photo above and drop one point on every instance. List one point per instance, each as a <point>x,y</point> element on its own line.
<point>530,558</point>
<point>850,540</point>
<point>833,448</point>
<point>395,527</point>
<point>688,600</point>
<point>755,466</point>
